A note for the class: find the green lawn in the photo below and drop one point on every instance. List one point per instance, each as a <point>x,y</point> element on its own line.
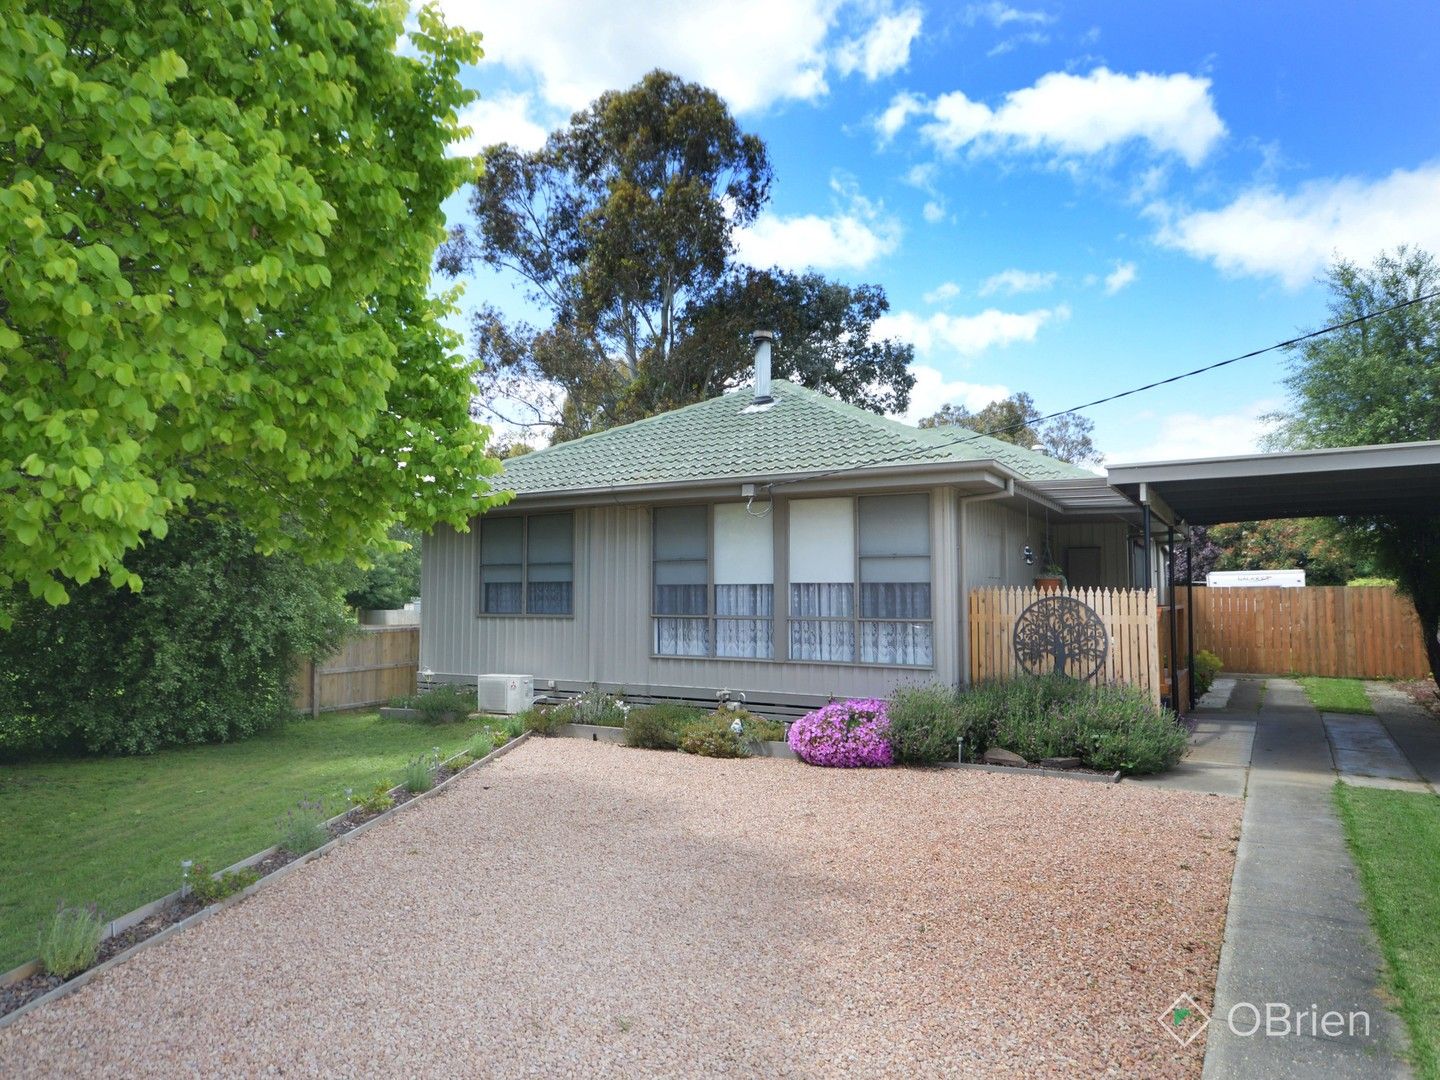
<point>1395,838</point>
<point>113,830</point>
<point>1337,695</point>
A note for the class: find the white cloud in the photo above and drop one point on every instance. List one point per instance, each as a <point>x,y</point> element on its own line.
<point>884,48</point>
<point>501,118</point>
<point>946,290</point>
<point>897,114</point>
<point>1072,115</point>
<point>574,52</point>
<point>1124,274</point>
<point>854,236</point>
<point>1000,14</point>
<point>967,335</point>
<point>1154,436</point>
<point>1294,236</point>
<point>1011,282</point>
<point>933,211</point>
<point>932,390</point>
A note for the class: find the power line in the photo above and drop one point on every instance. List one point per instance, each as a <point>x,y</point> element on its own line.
<point>1135,390</point>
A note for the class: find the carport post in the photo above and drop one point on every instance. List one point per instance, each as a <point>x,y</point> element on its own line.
<point>1145,518</point>
<point>1190,609</point>
<point>1174,625</point>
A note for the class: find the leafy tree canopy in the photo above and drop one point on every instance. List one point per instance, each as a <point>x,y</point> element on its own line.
<point>1016,420</point>
<point>1379,382</point>
<point>393,578</point>
<point>215,241</point>
<point>621,226</point>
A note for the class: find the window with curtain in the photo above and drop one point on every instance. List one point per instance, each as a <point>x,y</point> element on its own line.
<point>860,580</point>
<point>527,565</point>
<point>681,608</point>
<point>714,582</point>
<point>744,583</point>
<point>894,553</point>
<point>822,579</point>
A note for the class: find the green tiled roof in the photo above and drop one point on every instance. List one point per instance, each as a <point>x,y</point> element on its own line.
<point>802,431</point>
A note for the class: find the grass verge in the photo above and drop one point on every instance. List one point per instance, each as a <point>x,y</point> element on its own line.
<point>1336,695</point>
<point>1394,837</point>
<point>113,831</point>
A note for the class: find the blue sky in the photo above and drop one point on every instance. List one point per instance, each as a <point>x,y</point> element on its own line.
<point>1067,199</point>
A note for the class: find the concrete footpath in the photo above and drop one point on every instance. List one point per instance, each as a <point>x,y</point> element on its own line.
<point>1299,950</point>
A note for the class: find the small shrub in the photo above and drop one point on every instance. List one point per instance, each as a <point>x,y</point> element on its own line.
<point>844,734</point>
<point>501,737</point>
<point>378,801</point>
<point>209,890</point>
<point>711,736</point>
<point>756,728</point>
<point>596,707</point>
<point>658,727</point>
<point>482,745</point>
<point>1372,582</point>
<point>927,724</point>
<point>1027,715</point>
<point>462,760</point>
<point>513,727</point>
<point>70,941</point>
<point>1119,727</point>
<point>1207,666</point>
<point>419,775</point>
<point>303,829</point>
<point>545,719</point>
<point>443,704</point>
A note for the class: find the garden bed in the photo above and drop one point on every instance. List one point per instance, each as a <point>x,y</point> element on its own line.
<point>29,985</point>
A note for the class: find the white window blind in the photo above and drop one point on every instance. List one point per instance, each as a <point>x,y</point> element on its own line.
<point>822,579</point>
<point>744,582</point>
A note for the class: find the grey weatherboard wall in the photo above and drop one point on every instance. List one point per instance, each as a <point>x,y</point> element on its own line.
<point>608,638</point>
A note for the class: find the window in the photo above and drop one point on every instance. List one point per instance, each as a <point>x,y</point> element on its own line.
<point>860,580</point>
<point>714,587</point>
<point>527,565</point>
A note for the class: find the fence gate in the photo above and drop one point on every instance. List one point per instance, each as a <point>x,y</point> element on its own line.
<point>1108,635</point>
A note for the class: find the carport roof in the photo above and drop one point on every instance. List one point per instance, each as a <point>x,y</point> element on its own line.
<point>1402,478</point>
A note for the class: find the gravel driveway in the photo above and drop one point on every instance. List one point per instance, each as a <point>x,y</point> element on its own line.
<point>579,909</point>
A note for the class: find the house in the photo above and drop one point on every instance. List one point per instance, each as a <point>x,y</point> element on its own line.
<point>772,544</point>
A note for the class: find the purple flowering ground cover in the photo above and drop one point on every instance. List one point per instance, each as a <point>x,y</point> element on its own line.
<point>844,734</point>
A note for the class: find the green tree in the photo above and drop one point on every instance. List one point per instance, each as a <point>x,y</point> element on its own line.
<point>1015,419</point>
<point>1379,382</point>
<point>393,578</point>
<point>216,228</point>
<point>205,653</point>
<point>1308,544</point>
<point>621,227</point>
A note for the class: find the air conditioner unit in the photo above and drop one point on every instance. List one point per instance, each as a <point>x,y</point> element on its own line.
<point>506,694</point>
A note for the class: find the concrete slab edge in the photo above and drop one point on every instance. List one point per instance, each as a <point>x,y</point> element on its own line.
<point>69,987</point>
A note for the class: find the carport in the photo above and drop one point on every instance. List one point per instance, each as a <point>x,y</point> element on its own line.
<point>1396,479</point>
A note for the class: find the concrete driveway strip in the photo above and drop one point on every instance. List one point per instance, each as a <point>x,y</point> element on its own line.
<point>1299,950</point>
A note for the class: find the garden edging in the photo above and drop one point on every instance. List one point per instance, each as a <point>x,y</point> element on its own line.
<point>124,922</point>
<point>1025,770</point>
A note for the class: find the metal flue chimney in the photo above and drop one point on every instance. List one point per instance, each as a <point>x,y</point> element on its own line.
<point>762,340</point>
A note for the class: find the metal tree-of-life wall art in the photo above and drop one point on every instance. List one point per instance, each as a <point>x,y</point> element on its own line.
<point>1056,632</point>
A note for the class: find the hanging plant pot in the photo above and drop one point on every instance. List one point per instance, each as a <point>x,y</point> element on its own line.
<point>1050,582</point>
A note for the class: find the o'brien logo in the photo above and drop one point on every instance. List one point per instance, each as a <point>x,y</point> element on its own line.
<point>1184,1019</point>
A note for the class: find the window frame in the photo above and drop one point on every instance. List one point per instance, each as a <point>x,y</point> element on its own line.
<point>524,612</point>
<point>856,619</point>
<point>711,618</point>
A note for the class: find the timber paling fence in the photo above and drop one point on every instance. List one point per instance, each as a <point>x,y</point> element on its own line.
<point>1361,632</point>
<point>377,664</point>
<point>1128,651</point>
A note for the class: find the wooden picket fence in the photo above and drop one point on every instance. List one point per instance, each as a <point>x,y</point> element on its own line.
<point>1129,616</point>
<point>377,664</point>
<point>1360,633</point>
